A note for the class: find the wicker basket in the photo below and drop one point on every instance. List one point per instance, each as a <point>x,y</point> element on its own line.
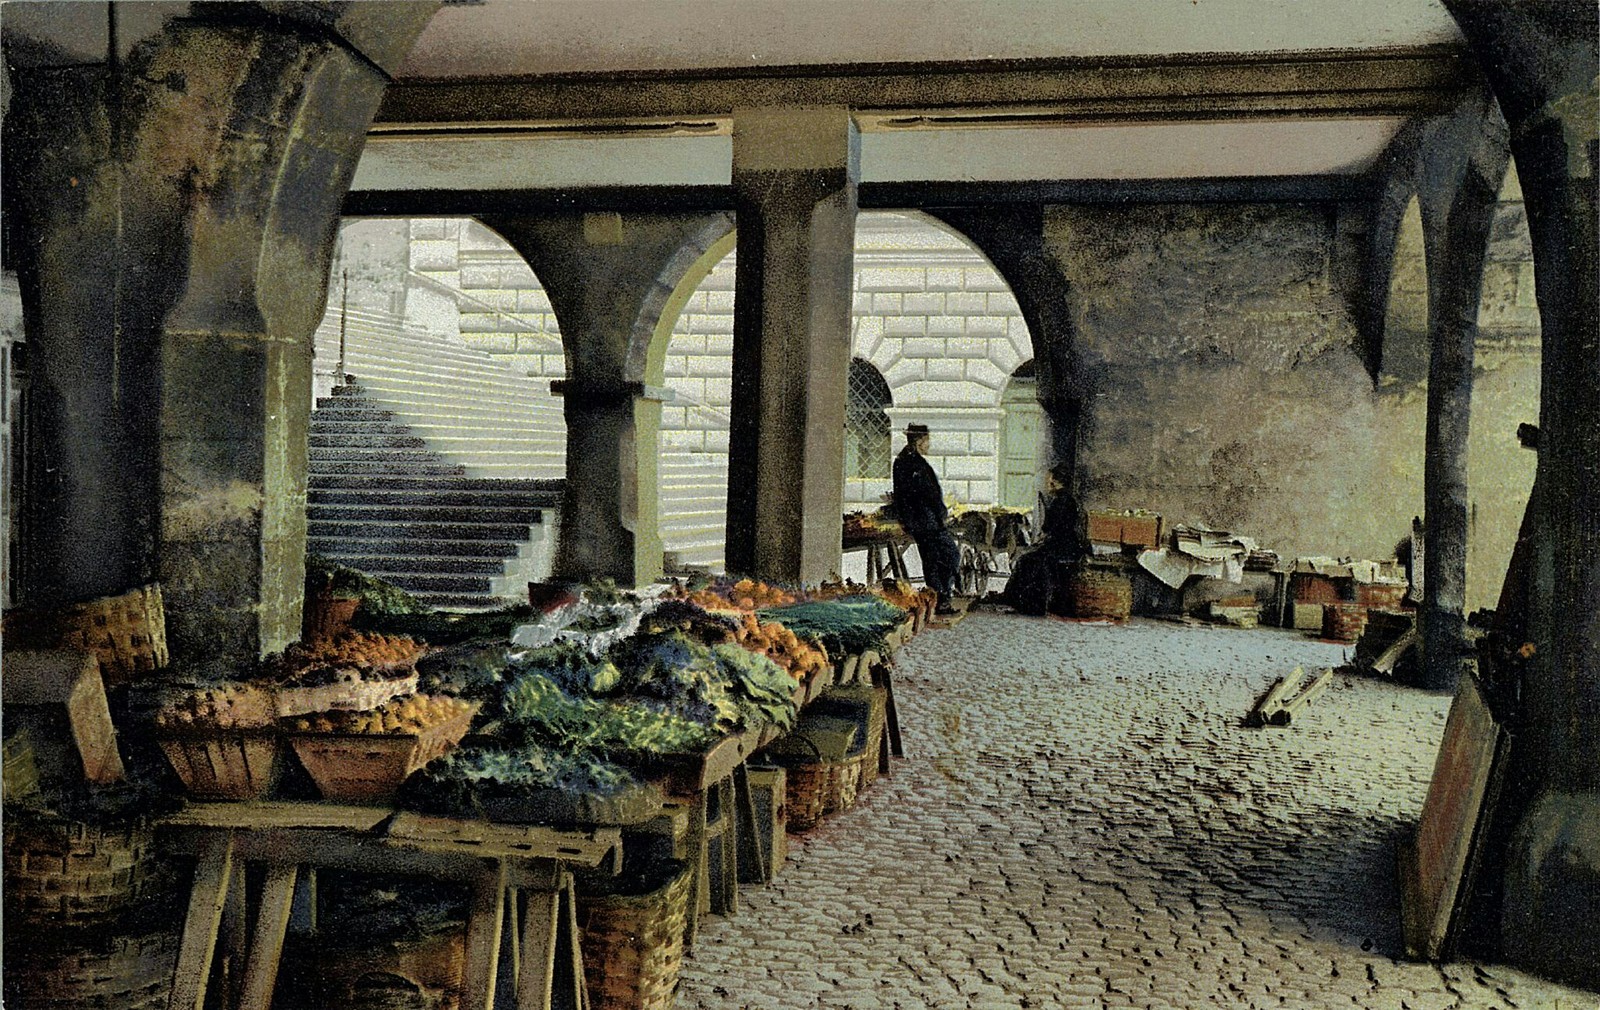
<point>414,973</point>
<point>60,871</point>
<point>326,615</point>
<point>818,789</point>
<point>127,633</point>
<point>227,764</point>
<point>368,767</point>
<point>869,707</point>
<point>75,970</point>
<point>1099,593</point>
<point>633,944</point>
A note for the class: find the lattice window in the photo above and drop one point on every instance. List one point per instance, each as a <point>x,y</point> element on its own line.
<point>867,449</point>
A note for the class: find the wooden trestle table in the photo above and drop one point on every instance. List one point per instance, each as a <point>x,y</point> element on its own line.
<point>496,861</point>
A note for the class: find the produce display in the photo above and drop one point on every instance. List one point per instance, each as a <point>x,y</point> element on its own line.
<point>376,595</point>
<point>364,652</point>
<point>404,716</point>
<point>778,643</point>
<point>227,706</point>
<point>843,627</point>
<point>745,594</point>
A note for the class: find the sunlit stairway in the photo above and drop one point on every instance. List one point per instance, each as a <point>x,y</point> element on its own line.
<point>694,504</point>
<point>435,466</point>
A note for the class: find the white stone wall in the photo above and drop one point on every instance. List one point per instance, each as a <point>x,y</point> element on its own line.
<point>931,315</point>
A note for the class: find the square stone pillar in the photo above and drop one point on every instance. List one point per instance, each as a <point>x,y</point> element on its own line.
<point>795,172</point>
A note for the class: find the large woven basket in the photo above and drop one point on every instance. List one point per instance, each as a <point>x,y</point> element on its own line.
<point>1099,593</point>
<point>368,767</point>
<point>127,633</point>
<point>60,871</point>
<point>869,705</point>
<point>817,789</point>
<point>423,972</point>
<point>633,943</point>
<point>94,970</point>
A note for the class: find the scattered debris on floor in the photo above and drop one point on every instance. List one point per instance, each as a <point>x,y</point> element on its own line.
<point>1286,698</point>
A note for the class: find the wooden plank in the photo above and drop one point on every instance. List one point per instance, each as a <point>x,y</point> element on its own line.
<point>750,827</point>
<point>1388,658</point>
<point>571,991</point>
<point>484,922</point>
<point>1289,709</point>
<point>522,841</point>
<point>265,814</point>
<point>538,944</point>
<point>266,949</point>
<point>1454,816</point>
<point>207,896</point>
<point>1261,713</point>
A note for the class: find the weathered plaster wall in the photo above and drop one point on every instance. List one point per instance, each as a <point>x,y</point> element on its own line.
<point>1227,391</point>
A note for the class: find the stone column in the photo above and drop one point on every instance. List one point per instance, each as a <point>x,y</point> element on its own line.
<point>1462,162</point>
<point>794,175</point>
<point>1541,60</point>
<point>184,207</point>
<point>1014,240</point>
<point>607,275</point>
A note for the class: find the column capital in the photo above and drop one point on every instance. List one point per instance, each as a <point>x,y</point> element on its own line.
<point>796,139</point>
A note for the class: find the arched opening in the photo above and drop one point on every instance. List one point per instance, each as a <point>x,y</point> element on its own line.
<point>432,370</point>
<point>867,451</point>
<point>935,324</point>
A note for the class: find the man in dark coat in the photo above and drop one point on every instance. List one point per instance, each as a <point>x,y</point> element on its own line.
<point>919,504</point>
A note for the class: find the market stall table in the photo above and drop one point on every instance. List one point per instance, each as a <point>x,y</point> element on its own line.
<point>886,554</point>
<point>497,861</point>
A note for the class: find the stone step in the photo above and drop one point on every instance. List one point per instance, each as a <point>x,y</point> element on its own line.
<point>323,439</point>
<point>379,564</point>
<point>433,482</point>
<point>423,532</point>
<point>531,500</point>
<point>431,582</point>
<point>356,468</point>
<point>337,546</point>
<point>428,406</point>
<point>426,363</point>
<point>475,513</point>
<point>468,603</point>
<point>411,345</point>
<point>398,458</point>
<point>420,384</point>
<point>329,423</point>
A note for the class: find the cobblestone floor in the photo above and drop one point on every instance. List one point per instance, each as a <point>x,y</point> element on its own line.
<point>1081,821</point>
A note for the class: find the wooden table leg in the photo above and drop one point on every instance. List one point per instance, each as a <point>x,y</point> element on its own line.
<point>272,919</point>
<point>207,896</point>
<point>484,923</point>
<point>727,897</point>
<point>540,923</point>
<point>570,991</point>
<point>699,889</point>
<point>750,826</point>
<point>891,716</point>
<point>303,913</point>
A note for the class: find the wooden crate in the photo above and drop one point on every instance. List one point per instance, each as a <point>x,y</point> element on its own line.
<point>370,767</point>
<point>225,765</point>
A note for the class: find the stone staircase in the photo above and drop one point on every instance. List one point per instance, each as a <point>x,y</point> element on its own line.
<point>432,465</point>
<point>693,488</point>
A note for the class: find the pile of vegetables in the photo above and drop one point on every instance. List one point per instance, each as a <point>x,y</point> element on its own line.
<point>745,594</point>
<point>377,596</point>
<point>844,626</point>
<point>369,655</point>
<point>405,716</point>
<point>796,656</point>
<point>226,706</point>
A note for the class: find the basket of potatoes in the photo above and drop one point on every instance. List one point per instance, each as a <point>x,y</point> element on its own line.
<point>364,757</point>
